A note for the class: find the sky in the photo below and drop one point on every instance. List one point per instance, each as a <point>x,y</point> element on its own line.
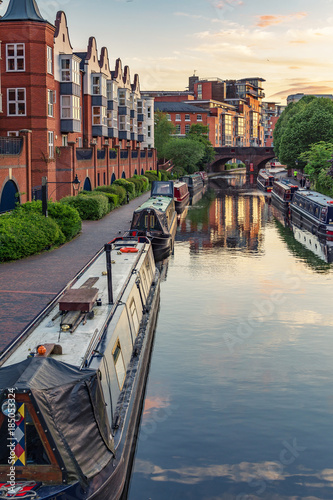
<point>286,42</point>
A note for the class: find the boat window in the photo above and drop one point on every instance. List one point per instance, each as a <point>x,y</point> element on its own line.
<point>152,221</point>
<point>119,364</point>
<point>316,212</point>
<point>323,214</point>
<point>146,221</point>
<point>134,316</point>
<point>29,449</point>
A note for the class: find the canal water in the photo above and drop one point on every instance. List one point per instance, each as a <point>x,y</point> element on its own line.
<point>239,402</point>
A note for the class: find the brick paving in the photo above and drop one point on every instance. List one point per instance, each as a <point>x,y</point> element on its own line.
<point>28,285</point>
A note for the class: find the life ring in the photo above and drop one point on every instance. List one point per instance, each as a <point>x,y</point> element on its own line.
<point>128,250</point>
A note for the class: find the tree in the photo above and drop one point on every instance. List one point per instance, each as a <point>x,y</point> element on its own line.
<point>200,133</point>
<point>185,153</point>
<point>318,165</point>
<point>306,122</point>
<point>162,133</point>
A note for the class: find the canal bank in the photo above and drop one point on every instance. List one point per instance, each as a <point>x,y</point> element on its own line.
<point>28,285</point>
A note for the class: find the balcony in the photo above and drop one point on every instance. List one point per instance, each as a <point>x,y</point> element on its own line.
<point>70,126</point>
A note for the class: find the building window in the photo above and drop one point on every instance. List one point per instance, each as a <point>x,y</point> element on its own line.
<point>16,103</point>
<point>50,102</point>
<point>76,72</point>
<point>15,53</point>
<point>200,91</point>
<point>168,117</point>
<point>49,55</point>
<point>98,179</point>
<point>178,131</point>
<point>149,131</point>
<point>199,118</point>
<point>98,115</point>
<point>187,118</point>
<point>178,118</point>
<point>70,107</point>
<point>149,112</point>
<point>111,91</point>
<point>64,140</point>
<point>122,123</point>
<point>51,144</point>
<point>13,133</point>
<point>96,85</point>
<point>187,128</point>
<point>65,70</point>
<point>79,142</point>
<point>122,97</point>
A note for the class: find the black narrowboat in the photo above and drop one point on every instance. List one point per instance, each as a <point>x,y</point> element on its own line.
<point>313,212</point>
<point>265,180</point>
<point>194,183</point>
<point>282,194</point>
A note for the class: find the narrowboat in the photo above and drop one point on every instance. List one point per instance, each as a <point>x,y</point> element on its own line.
<point>162,188</point>
<point>203,176</point>
<point>282,194</point>
<point>156,218</point>
<point>194,183</point>
<point>265,180</point>
<point>72,384</point>
<point>313,212</point>
<point>181,196</point>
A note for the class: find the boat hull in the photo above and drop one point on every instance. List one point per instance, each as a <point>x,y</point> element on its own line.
<point>181,204</point>
<point>303,220</point>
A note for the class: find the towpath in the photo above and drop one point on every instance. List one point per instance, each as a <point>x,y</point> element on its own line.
<point>28,285</point>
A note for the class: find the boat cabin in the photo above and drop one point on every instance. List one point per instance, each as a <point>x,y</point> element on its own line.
<point>284,190</point>
<point>155,215</point>
<point>162,188</point>
<point>265,180</point>
<point>317,205</point>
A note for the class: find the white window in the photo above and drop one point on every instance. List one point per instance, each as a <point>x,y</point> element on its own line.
<point>64,140</point>
<point>199,118</point>
<point>51,144</point>
<point>65,106</point>
<point>122,97</point>
<point>50,102</point>
<point>168,117</point>
<point>178,118</point>
<point>96,85</point>
<point>122,123</point>
<point>76,72</point>
<point>70,107</point>
<point>200,91</point>
<point>187,118</point>
<point>65,70</point>
<point>15,55</point>
<point>49,55</point>
<point>79,142</point>
<point>111,93</point>
<point>178,129</point>
<point>149,131</point>
<point>149,112</point>
<point>16,102</point>
<point>13,133</point>
<point>99,115</point>
<point>187,128</point>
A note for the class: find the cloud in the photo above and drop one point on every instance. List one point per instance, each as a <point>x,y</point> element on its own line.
<point>265,21</point>
<point>222,4</point>
<point>191,16</point>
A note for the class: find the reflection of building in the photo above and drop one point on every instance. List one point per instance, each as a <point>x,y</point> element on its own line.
<point>233,221</point>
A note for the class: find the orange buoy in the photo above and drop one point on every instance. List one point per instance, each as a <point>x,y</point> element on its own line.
<point>41,350</point>
<point>128,250</point>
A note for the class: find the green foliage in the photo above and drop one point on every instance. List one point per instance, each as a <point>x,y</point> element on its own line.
<point>301,124</point>
<point>162,133</point>
<point>128,186</point>
<point>114,189</point>
<point>185,153</point>
<point>90,207</point>
<point>200,133</point>
<point>67,217</point>
<point>140,182</point>
<point>165,176</point>
<point>152,175</point>
<point>317,159</point>
<point>26,232</point>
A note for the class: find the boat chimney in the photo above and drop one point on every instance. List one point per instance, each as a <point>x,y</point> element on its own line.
<point>107,248</point>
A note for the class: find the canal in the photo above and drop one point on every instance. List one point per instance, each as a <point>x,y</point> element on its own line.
<point>239,402</point>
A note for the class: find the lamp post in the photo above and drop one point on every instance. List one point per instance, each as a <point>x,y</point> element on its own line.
<point>75,182</point>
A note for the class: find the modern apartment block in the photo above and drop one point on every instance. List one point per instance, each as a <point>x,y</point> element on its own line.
<point>78,114</point>
<point>232,109</point>
<point>271,114</point>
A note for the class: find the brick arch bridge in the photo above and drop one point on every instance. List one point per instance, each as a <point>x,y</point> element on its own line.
<point>250,156</point>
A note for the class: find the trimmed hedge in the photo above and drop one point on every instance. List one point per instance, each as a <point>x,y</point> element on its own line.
<point>90,207</point>
<point>129,186</point>
<point>27,232</point>
<point>152,176</point>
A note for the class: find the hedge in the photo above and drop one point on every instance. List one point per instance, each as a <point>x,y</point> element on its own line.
<point>129,186</point>
<point>152,175</point>
<point>27,232</point>
<point>89,207</point>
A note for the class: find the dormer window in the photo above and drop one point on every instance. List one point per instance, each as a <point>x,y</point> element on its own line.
<point>15,56</point>
<point>99,85</point>
<point>70,70</point>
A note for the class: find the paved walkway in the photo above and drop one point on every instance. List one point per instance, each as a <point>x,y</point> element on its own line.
<point>28,285</point>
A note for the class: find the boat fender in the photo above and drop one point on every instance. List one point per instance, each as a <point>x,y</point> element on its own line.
<point>128,250</point>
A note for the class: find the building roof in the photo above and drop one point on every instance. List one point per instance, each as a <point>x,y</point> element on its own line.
<point>22,10</point>
<point>178,107</point>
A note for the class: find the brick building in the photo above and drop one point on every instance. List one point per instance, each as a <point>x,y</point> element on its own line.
<point>85,118</point>
<point>271,114</point>
<point>232,109</point>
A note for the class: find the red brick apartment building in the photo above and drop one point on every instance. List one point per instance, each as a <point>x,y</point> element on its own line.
<point>65,113</point>
<point>232,109</point>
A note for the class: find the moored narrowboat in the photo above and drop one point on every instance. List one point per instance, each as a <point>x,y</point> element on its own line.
<point>181,196</point>
<point>265,180</point>
<point>194,183</point>
<point>72,384</point>
<point>313,212</point>
<point>156,218</point>
<point>162,188</point>
<point>282,194</point>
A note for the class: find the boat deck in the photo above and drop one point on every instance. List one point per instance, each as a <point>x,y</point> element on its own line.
<point>77,345</point>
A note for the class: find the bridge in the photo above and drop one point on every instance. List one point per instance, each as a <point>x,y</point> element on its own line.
<point>253,157</point>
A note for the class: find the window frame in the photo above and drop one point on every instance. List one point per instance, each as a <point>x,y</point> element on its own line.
<point>49,59</point>
<point>17,101</point>
<point>50,144</point>
<point>15,57</point>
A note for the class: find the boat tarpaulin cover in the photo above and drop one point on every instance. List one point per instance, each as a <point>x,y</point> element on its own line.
<point>73,407</point>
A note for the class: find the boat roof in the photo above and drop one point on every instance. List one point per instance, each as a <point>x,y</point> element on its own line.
<point>285,183</point>
<point>178,184</point>
<point>265,173</point>
<point>160,203</point>
<point>316,197</point>
<point>77,346</point>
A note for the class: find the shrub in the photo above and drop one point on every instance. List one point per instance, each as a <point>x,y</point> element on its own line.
<point>67,217</point>
<point>139,185</point>
<point>26,232</point>
<point>151,175</point>
<point>90,207</point>
<point>165,176</point>
<point>129,186</point>
<point>120,191</point>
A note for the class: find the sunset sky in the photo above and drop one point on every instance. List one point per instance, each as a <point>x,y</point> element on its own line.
<point>288,43</point>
